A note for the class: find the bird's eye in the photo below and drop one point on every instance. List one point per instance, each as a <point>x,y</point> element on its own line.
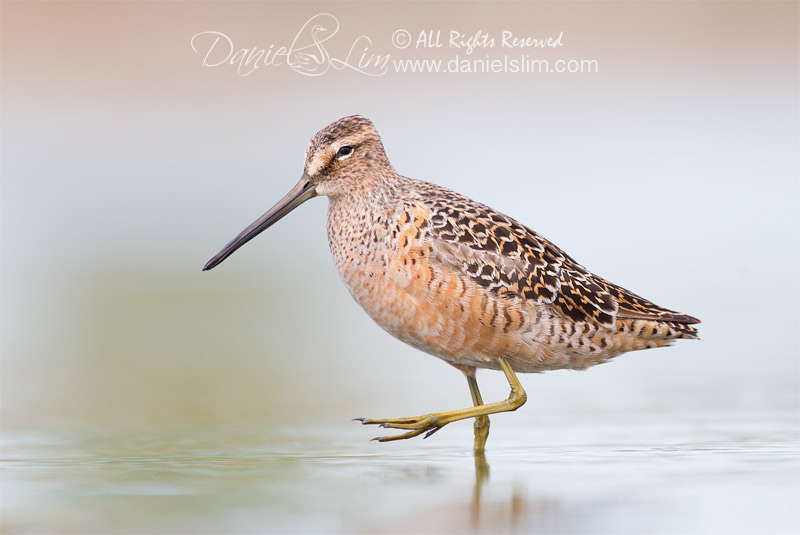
<point>344,152</point>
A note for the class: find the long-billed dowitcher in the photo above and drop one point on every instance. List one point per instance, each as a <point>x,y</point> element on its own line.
<point>458,280</point>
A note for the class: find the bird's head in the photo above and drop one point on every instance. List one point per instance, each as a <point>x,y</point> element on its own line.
<point>342,158</point>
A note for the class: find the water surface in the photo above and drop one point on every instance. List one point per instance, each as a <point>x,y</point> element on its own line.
<point>700,474</point>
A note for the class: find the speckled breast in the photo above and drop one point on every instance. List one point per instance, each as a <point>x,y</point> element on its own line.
<point>386,261</point>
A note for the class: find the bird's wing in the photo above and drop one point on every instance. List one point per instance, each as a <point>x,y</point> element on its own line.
<point>505,257</point>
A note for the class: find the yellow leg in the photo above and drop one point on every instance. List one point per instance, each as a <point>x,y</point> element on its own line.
<point>430,423</point>
<point>481,434</point>
<point>481,422</point>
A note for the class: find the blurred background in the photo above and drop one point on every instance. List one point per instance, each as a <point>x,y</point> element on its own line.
<point>127,163</point>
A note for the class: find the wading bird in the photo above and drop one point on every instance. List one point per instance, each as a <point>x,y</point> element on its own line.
<point>459,280</point>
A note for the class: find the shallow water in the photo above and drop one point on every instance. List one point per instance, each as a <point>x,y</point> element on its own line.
<point>689,474</point>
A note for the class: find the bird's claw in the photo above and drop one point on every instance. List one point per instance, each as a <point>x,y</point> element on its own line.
<point>416,425</point>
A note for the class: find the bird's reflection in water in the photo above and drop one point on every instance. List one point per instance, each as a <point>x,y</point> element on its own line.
<point>450,498</point>
<point>481,476</point>
<point>514,513</point>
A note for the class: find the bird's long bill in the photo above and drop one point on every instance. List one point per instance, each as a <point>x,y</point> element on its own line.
<point>299,194</point>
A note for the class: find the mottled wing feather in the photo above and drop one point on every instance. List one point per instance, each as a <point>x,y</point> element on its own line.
<point>636,307</point>
<point>506,257</point>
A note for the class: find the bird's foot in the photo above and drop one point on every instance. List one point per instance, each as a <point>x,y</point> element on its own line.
<point>428,424</point>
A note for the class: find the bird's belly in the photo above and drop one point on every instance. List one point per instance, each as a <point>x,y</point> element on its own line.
<point>433,311</point>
